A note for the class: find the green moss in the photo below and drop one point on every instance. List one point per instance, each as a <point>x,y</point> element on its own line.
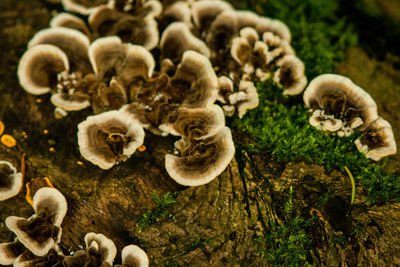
<point>160,211</point>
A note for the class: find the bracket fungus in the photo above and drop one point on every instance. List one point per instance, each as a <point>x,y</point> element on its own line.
<point>10,180</point>
<point>109,138</point>
<point>10,251</point>
<point>336,101</point>
<point>42,231</point>
<point>134,256</point>
<point>377,141</point>
<point>201,160</point>
<point>290,75</point>
<point>84,7</point>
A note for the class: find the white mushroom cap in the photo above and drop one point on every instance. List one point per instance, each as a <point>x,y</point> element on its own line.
<point>377,141</point>
<point>50,199</point>
<point>11,183</point>
<point>154,6</point>
<point>275,26</point>
<point>69,21</point>
<point>94,132</point>
<point>80,7</point>
<point>104,246</point>
<point>225,86</point>
<point>324,122</point>
<point>178,11</point>
<point>251,100</point>
<point>247,18</point>
<point>196,123</point>
<point>337,87</point>
<point>134,256</point>
<point>10,251</point>
<point>198,167</point>
<point>39,66</point>
<point>290,75</point>
<point>59,101</point>
<point>204,12</point>
<point>177,38</point>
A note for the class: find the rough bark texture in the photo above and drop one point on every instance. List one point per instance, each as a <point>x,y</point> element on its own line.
<point>232,211</point>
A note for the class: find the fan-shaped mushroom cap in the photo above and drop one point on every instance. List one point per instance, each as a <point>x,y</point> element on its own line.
<point>204,12</point>
<point>72,42</point>
<point>194,83</point>
<point>10,251</point>
<point>176,39</point>
<point>221,31</point>
<point>134,256</point>
<point>225,88</point>
<point>290,75</point>
<point>42,231</point>
<point>28,259</point>
<point>34,185</point>
<point>195,123</point>
<point>10,180</point>
<point>274,26</point>
<point>109,97</point>
<point>107,56</point>
<point>324,122</point>
<point>377,141</point>
<point>39,66</point>
<point>67,20</point>
<point>108,138</point>
<point>202,160</point>
<point>278,48</point>
<point>84,7</point>
<point>339,96</point>
<point>250,100</point>
<point>100,244</point>
<point>247,18</point>
<point>178,11</point>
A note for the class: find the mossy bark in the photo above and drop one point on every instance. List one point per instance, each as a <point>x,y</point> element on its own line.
<point>232,212</point>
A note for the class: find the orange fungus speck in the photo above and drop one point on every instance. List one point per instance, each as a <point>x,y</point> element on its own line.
<point>142,148</point>
<point>45,131</point>
<point>1,127</point>
<point>8,140</point>
<point>51,149</point>
<point>79,162</point>
<point>38,100</point>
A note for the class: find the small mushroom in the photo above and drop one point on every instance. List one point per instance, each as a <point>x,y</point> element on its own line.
<point>274,26</point>
<point>219,36</point>
<point>225,88</point>
<point>28,259</point>
<point>10,180</point>
<point>278,47</point>
<point>201,160</point>
<point>176,39</point>
<point>42,231</point>
<point>290,75</point>
<point>109,97</point>
<point>377,141</point>
<point>338,98</point>
<point>84,7</point>
<point>72,42</point>
<point>109,138</point>
<point>196,123</point>
<point>99,243</point>
<point>67,20</point>
<point>134,256</point>
<point>10,251</point>
<point>178,11</point>
<point>39,66</point>
<point>250,99</point>
<point>195,83</point>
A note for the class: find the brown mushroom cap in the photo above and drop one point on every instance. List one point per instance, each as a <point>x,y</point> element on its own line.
<point>10,251</point>
<point>222,30</point>
<point>42,231</point>
<point>109,97</point>
<point>177,38</point>
<point>134,256</point>
<point>377,141</point>
<point>67,20</point>
<point>195,83</point>
<point>274,26</point>
<point>39,66</point>
<point>196,123</point>
<point>72,42</point>
<point>100,244</point>
<point>11,181</point>
<point>251,97</point>
<point>109,138</point>
<point>204,12</point>
<point>339,96</point>
<point>84,7</point>
<point>225,88</point>
<point>202,160</point>
<point>290,75</point>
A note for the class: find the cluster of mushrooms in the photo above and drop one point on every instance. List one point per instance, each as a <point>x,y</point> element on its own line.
<point>180,67</point>
<point>38,237</point>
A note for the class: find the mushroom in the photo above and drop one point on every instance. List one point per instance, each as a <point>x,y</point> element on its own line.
<point>201,160</point>
<point>377,141</point>
<point>248,99</point>
<point>194,83</point>
<point>84,7</point>
<point>196,123</point>
<point>100,251</point>
<point>42,231</point>
<point>142,30</point>
<point>290,75</point>
<point>10,251</point>
<point>178,11</point>
<point>176,39</point>
<point>34,185</point>
<point>109,97</point>
<point>134,256</point>
<point>109,138</point>
<point>10,180</point>
<point>278,47</point>
<point>275,27</point>
<point>67,20</point>
<point>225,88</point>
<point>28,259</point>
<point>338,98</point>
